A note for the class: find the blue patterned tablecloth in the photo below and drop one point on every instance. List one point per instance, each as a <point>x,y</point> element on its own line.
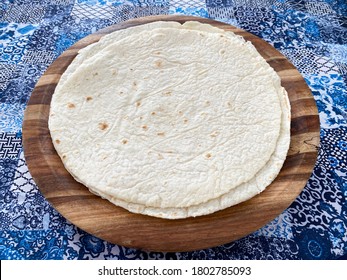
<point>313,36</point>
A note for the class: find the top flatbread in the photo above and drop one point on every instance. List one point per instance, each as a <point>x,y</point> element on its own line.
<point>171,121</point>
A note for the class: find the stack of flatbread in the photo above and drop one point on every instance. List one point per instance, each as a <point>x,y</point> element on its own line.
<point>171,120</point>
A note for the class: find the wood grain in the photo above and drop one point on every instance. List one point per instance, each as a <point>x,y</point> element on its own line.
<point>116,225</point>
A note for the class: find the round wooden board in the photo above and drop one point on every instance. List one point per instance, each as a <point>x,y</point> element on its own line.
<point>116,225</point>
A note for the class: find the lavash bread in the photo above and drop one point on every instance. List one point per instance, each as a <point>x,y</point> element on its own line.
<point>168,120</point>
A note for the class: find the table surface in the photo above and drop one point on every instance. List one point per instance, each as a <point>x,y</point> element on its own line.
<point>311,34</point>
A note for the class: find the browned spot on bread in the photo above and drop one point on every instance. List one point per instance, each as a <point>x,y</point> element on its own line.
<point>125,141</point>
<point>64,156</point>
<point>103,125</point>
<point>185,120</point>
<point>153,113</point>
<point>208,155</point>
<point>57,141</point>
<point>134,83</point>
<point>71,105</point>
<point>160,156</point>
<point>145,127</point>
<point>158,63</point>
<point>138,104</point>
<point>161,133</point>
<point>214,134</point>
<point>89,98</point>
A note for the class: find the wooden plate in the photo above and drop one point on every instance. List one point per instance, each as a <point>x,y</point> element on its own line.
<point>116,225</point>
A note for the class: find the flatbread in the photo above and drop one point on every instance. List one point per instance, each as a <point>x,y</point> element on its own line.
<point>207,132</point>
<point>108,39</point>
<point>105,41</point>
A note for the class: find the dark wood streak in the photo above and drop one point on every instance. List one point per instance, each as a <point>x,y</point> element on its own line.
<point>304,124</point>
<point>116,225</point>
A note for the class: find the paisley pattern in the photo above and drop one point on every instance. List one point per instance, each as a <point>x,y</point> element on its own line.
<point>313,36</point>
<point>330,95</point>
